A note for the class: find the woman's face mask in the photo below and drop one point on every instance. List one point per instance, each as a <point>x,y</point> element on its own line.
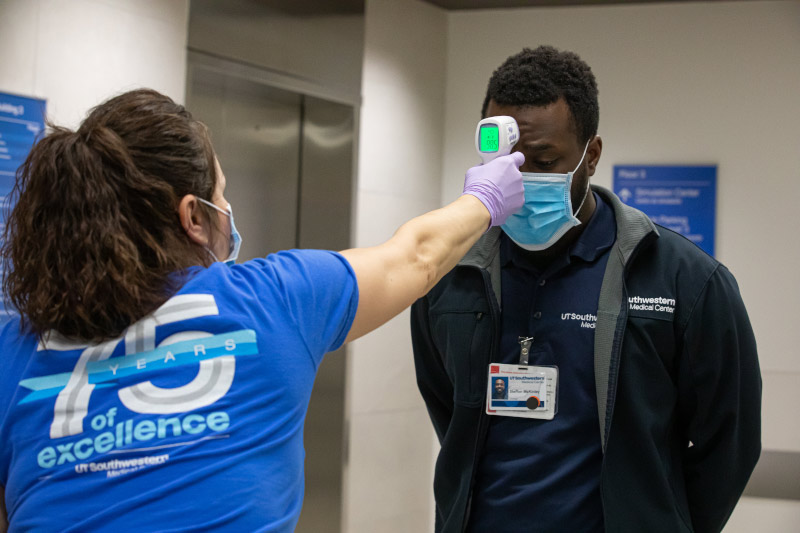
<point>547,212</point>
<point>235,239</point>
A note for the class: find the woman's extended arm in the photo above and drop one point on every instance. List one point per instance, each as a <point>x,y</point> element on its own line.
<point>392,275</point>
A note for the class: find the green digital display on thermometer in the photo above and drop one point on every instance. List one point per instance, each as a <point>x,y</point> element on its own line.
<point>495,137</point>
<point>489,138</point>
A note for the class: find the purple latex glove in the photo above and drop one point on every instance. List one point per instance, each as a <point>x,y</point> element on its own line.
<point>498,185</point>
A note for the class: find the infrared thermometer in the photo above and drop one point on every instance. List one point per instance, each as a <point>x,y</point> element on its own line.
<point>496,136</point>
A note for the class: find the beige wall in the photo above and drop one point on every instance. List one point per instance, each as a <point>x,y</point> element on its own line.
<point>389,475</point>
<point>78,53</point>
<point>680,83</point>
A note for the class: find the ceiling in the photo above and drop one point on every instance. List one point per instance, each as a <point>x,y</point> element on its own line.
<point>308,8</point>
<point>352,7</point>
<point>492,4</point>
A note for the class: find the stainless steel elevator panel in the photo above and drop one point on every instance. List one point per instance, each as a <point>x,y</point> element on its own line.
<point>324,222</point>
<point>255,130</point>
<point>327,170</point>
<point>288,160</point>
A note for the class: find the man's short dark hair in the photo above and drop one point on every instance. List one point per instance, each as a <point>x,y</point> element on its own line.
<point>540,77</point>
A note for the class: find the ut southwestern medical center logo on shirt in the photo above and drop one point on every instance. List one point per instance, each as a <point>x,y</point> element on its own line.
<point>95,369</point>
<point>657,304</point>
<point>656,307</point>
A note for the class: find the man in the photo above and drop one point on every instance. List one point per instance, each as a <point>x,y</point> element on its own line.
<point>499,389</point>
<point>655,404</point>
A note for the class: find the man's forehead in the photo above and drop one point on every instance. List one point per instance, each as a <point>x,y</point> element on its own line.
<point>540,127</point>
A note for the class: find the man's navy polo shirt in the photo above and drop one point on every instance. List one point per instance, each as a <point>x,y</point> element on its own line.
<point>544,475</point>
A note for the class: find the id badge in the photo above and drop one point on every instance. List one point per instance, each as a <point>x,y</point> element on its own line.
<point>522,391</point>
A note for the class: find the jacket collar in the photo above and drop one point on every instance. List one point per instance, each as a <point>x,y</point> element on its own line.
<point>632,227</point>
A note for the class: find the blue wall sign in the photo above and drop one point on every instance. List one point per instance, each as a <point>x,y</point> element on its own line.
<point>681,198</point>
<point>21,125</point>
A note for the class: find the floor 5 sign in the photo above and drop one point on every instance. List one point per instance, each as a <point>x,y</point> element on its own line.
<point>681,198</point>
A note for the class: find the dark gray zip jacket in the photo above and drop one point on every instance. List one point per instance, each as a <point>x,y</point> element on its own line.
<point>678,392</point>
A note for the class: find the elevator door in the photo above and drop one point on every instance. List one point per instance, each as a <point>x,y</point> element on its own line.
<point>288,163</point>
<point>255,130</point>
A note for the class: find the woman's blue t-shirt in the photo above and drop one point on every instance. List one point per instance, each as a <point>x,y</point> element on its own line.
<point>192,420</point>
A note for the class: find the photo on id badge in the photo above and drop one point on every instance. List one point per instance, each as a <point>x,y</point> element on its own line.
<point>522,391</point>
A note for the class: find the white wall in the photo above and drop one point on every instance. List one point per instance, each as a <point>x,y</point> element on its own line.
<point>77,53</point>
<point>681,83</point>
<point>390,472</point>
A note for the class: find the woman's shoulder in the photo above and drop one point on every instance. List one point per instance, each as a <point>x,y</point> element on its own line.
<point>289,267</point>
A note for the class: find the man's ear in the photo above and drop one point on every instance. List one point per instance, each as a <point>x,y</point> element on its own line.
<point>192,220</point>
<point>593,154</point>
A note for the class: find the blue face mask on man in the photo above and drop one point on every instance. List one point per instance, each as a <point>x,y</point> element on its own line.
<point>235,238</point>
<point>547,212</point>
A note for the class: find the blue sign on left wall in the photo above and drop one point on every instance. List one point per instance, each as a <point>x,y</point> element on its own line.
<point>21,125</point>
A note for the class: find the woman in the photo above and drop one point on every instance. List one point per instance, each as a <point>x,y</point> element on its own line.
<point>148,386</point>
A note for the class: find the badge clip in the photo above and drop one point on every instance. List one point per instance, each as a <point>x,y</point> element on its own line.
<point>525,350</point>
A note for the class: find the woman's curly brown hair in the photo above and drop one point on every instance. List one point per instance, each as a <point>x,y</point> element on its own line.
<point>95,240</point>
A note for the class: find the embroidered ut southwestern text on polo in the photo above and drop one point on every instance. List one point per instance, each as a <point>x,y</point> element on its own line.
<point>587,320</point>
<point>664,305</point>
